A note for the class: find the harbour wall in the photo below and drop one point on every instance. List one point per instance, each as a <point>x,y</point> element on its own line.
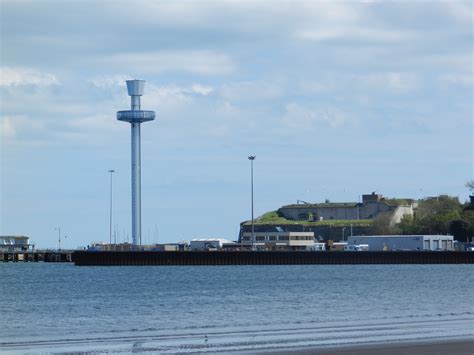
<point>97,258</point>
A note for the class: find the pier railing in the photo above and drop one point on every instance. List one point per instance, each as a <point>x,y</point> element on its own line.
<point>47,256</point>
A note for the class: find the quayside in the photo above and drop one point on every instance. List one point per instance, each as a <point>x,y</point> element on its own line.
<point>116,258</point>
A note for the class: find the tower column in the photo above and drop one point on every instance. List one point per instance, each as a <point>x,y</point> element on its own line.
<point>136,185</point>
<point>135,117</point>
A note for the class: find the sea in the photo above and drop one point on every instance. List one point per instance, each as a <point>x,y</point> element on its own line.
<point>62,308</point>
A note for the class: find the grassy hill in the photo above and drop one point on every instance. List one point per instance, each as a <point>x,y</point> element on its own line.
<point>273,218</point>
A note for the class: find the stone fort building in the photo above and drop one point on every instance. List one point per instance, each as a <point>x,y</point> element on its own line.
<point>371,206</point>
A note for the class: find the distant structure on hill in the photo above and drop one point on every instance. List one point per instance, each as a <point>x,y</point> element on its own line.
<point>332,220</point>
<point>372,205</point>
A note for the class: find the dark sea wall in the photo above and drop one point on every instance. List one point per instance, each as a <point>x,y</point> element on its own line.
<point>94,258</point>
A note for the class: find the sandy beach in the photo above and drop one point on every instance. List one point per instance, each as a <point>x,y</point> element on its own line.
<point>451,347</point>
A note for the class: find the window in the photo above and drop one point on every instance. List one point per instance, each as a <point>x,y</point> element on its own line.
<point>435,244</point>
<point>450,245</point>
<point>272,237</point>
<point>260,238</point>
<point>246,239</point>
<point>427,245</point>
<point>283,237</point>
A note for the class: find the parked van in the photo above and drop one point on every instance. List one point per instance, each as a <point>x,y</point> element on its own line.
<point>316,247</point>
<point>355,247</point>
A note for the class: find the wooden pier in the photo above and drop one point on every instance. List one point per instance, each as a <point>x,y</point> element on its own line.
<point>115,258</point>
<point>37,256</point>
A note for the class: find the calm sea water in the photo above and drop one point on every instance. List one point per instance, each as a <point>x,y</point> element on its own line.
<point>64,308</point>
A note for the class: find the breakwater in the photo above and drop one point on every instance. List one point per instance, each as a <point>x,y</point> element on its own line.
<point>115,258</point>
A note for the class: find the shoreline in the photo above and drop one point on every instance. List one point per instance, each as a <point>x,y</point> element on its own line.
<point>463,346</point>
<point>194,344</point>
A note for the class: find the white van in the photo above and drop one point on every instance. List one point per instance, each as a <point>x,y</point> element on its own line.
<point>354,247</point>
<point>316,247</point>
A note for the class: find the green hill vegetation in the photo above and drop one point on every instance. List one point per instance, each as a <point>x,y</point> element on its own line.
<point>272,217</point>
<point>436,215</point>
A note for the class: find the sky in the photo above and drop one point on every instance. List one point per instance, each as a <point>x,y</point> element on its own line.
<point>336,99</point>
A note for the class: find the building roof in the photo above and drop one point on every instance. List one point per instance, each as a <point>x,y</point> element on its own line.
<point>401,236</point>
<point>388,201</point>
<point>281,233</point>
<point>13,236</point>
<point>323,205</point>
<point>221,240</point>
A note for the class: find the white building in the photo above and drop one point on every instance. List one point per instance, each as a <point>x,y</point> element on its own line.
<point>15,243</point>
<point>404,242</point>
<point>272,240</point>
<point>208,243</point>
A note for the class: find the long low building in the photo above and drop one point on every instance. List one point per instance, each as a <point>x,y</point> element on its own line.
<point>404,242</point>
<point>209,243</point>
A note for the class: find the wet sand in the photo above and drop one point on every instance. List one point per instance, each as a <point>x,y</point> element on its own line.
<point>451,347</point>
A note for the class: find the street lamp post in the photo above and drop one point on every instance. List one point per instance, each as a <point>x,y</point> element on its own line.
<point>59,237</point>
<point>111,171</point>
<point>252,158</point>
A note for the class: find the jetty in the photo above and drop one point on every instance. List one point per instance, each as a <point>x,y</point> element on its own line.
<point>47,256</point>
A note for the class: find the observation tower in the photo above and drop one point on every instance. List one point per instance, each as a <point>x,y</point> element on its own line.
<point>135,116</point>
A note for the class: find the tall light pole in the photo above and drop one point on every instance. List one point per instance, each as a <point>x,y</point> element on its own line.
<point>252,158</point>
<point>111,171</point>
<point>59,237</point>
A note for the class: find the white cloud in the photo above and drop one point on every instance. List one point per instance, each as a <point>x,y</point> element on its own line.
<point>7,130</point>
<point>101,122</point>
<point>201,89</point>
<point>196,62</point>
<point>238,15</point>
<point>400,82</point>
<point>457,79</point>
<point>309,118</point>
<point>252,90</point>
<point>21,128</point>
<point>108,81</point>
<point>14,76</point>
<point>461,10</point>
<point>353,34</point>
<point>368,84</point>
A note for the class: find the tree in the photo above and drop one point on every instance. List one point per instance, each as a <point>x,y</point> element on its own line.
<point>408,225</point>
<point>437,206</point>
<point>433,216</point>
<point>468,216</point>
<point>470,185</point>
<point>460,229</point>
<point>381,224</point>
